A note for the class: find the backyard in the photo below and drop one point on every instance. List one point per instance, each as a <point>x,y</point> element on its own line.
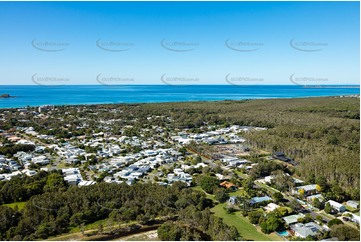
<point>244,227</point>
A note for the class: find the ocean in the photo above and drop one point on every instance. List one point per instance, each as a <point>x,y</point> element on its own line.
<point>100,94</point>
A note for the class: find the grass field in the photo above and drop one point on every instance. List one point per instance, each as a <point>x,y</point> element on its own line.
<point>240,174</point>
<point>327,215</point>
<point>238,193</point>
<point>209,196</point>
<point>20,205</point>
<point>271,189</point>
<point>247,230</point>
<point>90,226</point>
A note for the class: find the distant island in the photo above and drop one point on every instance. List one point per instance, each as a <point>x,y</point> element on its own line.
<point>6,95</point>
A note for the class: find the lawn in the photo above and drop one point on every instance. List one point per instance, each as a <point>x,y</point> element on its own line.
<point>247,230</point>
<point>94,225</point>
<point>240,174</point>
<point>351,209</point>
<point>209,196</point>
<point>20,205</point>
<point>271,189</point>
<point>327,215</point>
<point>237,193</point>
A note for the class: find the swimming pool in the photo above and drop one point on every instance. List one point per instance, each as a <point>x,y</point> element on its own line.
<point>283,233</point>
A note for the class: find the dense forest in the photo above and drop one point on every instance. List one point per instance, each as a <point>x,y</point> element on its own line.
<point>56,208</point>
<point>321,134</point>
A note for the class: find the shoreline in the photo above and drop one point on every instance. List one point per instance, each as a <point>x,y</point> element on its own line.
<point>191,101</point>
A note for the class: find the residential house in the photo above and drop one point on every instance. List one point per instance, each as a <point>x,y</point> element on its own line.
<point>45,108</point>
<point>72,175</point>
<point>220,176</point>
<point>39,149</point>
<point>73,179</point>
<point>268,179</point>
<point>292,219</point>
<point>271,207</point>
<point>162,184</point>
<point>353,204</point>
<point>308,190</point>
<point>228,185</point>
<point>337,206</point>
<point>304,230</point>
<point>256,200</point>
<point>280,156</point>
<point>232,200</point>
<point>313,197</point>
<point>351,217</point>
<point>40,160</point>
<point>200,165</point>
<point>29,172</point>
<point>86,183</point>
<point>297,181</point>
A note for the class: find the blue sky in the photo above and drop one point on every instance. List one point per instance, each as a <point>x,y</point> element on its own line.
<point>152,43</point>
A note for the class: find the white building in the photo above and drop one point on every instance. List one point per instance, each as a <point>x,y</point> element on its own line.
<point>337,206</point>
<point>45,108</point>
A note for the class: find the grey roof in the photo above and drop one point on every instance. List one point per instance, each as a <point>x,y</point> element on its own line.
<point>331,239</point>
<point>318,196</point>
<point>293,218</point>
<point>304,230</point>
<point>307,187</point>
<point>260,199</point>
<point>352,202</point>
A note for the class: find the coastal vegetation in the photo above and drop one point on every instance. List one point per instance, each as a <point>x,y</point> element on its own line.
<point>57,209</point>
<point>319,135</point>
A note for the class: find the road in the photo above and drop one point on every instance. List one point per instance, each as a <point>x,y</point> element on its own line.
<point>290,198</point>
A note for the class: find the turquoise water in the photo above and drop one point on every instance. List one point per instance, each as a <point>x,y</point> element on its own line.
<point>283,233</point>
<point>98,94</point>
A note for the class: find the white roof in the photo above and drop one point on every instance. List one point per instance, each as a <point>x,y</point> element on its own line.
<point>293,218</point>
<point>335,204</point>
<point>307,187</point>
<point>86,183</point>
<point>271,206</point>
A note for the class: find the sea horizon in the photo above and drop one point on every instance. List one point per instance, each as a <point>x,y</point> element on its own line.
<point>160,84</point>
<point>35,95</point>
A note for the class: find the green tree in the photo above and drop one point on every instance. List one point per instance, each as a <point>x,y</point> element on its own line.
<point>54,182</point>
<point>221,195</point>
<point>183,150</point>
<point>328,208</point>
<point>333,222</point>
<point>208,183</point>
<point>345,233</point>
<point>255,216</point>
<point>317,203</point>
<point>169,232</point>
<point>319,218</point>
<point>198,159</point>
<point>271,224</point>
<point>277,196</point>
